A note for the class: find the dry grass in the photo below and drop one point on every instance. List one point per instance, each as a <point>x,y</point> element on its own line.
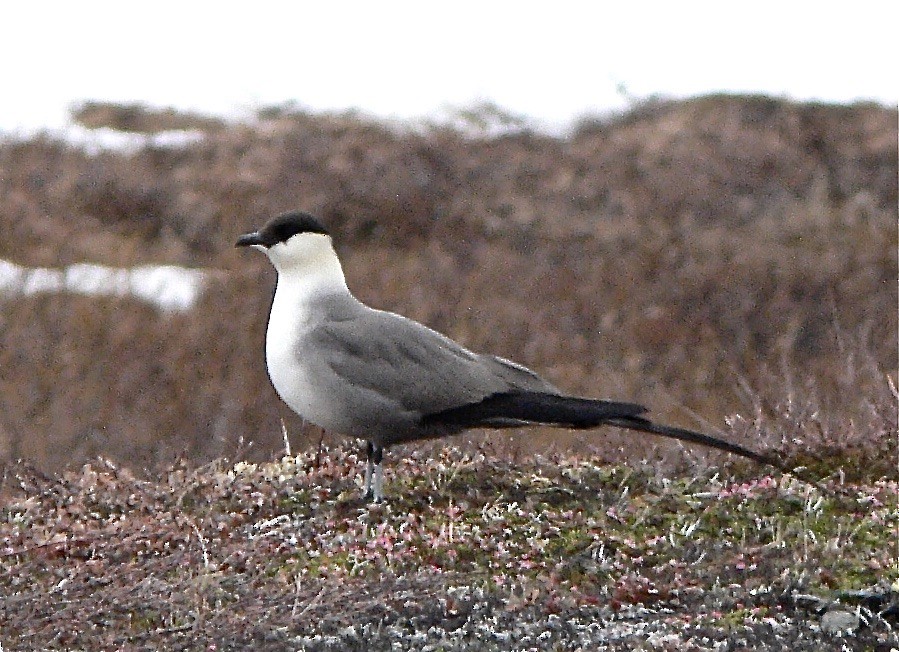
<point>721,257</point>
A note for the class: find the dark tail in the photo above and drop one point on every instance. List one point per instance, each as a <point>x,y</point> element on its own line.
<point>645,425</point>
<point>512,409</point>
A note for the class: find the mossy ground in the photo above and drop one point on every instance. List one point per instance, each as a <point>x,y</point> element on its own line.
<point>286,555</point>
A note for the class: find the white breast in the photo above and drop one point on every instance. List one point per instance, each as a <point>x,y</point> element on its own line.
<point>292,379</point>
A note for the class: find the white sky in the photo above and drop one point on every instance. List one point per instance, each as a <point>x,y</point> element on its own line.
<point>550,61</point>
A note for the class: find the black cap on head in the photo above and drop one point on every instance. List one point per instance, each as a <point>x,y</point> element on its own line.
<point>281,228</point>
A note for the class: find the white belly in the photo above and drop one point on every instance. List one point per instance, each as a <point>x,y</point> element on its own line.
<point>309,395</point>
<point>293,382</point>
<point>293,386</point>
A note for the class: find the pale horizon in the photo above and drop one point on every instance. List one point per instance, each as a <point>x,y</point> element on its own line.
<point>399,60</point>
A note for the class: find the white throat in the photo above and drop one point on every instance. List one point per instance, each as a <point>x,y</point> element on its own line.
<point>307,267</point>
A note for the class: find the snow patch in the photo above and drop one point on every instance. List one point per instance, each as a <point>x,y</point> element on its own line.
<point>95,141</point>
<point>168,287</point>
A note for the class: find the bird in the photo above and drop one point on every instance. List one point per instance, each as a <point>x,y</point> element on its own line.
<point>387,379</point>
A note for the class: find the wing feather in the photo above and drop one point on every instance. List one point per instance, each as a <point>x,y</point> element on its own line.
<point>414,366</point>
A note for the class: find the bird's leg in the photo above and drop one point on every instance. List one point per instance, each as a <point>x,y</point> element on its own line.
<point>369,467</point>
<point>379,475</point>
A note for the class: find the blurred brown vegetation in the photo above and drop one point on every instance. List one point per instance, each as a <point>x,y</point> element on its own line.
<point>724,257</point>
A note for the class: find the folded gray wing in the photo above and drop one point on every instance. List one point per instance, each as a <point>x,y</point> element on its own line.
<point>518,376</point>
<point>416,368</point>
